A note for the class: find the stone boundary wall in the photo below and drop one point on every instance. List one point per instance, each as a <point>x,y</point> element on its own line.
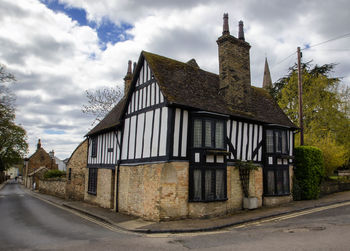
<point>54,186</point>
<point>329,187</point>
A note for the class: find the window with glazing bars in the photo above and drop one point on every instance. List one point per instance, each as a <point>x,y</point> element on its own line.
<point>208,181</point>
<point>92,182</point>
<point>94,146</point>
<point>208,131</point>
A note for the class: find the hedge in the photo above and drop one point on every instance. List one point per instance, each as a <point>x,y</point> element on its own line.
<point>308,173</point>
<point>54,174</point>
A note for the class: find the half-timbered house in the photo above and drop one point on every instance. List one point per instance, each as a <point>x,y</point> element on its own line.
<point>168,149</point>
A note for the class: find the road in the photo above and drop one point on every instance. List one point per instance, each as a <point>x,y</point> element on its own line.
<point>28,223</point>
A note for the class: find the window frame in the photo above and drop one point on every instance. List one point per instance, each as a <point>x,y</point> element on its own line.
<point>213,122</point>
<point>204,166</point>
<point>279,138</point>
<point>94,146</point>
<point>70,173</point>
<point>92,181</point>
<point>280,188</point>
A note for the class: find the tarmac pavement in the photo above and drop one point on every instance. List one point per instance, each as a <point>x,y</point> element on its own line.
<point>134,224</point>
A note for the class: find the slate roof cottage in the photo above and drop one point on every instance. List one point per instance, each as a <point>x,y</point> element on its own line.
<point>169,148</point>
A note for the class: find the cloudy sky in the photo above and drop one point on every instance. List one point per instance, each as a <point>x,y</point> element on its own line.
<point>57,49</point>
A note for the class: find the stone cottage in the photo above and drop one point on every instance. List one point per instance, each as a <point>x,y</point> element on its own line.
<point>168,149</point>
<point>36,165</point>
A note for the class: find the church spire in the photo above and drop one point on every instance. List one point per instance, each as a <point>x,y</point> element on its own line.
<point>267,82</point>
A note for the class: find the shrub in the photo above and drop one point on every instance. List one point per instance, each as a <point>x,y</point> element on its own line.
<point>309,172</point>
<point>54,174</point>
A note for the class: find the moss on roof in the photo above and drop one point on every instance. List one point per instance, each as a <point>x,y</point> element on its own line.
<point>187,85</point>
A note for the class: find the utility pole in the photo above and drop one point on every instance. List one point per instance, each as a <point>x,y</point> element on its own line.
<point>300,94</point>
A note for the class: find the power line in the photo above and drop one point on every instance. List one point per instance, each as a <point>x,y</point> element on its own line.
<point>285,58</point>
<point>327,41</point>
<point>314,45</point>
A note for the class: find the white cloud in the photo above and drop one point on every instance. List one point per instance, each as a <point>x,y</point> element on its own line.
<point>55,59</point>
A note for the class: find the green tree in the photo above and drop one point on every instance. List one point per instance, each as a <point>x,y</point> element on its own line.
<point>13,143</point>
<point>325,110</point>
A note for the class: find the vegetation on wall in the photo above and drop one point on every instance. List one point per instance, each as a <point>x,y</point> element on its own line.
<point>54,174</point>
<point>308,173</point>
<point>245,167</point>
<point>326,110</point>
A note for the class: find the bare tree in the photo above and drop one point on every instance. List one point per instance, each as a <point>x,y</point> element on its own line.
<point>101,101</point>
<point>5,76</point>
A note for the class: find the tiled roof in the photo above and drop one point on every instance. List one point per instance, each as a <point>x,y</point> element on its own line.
<point>187,85</point>
<point>183,84</point>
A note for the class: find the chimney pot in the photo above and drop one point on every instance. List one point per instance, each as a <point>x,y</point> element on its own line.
<point>39,144</point>
<point>225,27</point>
<point>240,31</point>
<point>128,78</point>
<point>129,67</point>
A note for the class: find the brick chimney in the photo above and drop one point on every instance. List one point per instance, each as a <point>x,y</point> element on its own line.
<point>38,146</point>
<point>52,154</point>
<point>127,78</point>
<point>234,66</point>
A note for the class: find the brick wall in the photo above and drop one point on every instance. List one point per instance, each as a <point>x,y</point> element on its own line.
<point>75,187</point>
<point>55,186</point>
<point>105,188</point>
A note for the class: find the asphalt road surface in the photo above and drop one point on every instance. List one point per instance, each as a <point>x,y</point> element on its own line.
<point>28,223</point>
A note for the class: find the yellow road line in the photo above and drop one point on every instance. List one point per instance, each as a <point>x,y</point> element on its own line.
<point>293,215</point>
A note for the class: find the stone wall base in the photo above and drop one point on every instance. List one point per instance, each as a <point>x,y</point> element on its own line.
<point>105,188</point>
<point>159,192</point>
<point>277,200</point>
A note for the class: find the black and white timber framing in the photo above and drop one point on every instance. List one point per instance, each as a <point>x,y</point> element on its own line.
<point>153,130</point>
<point>107,150</point>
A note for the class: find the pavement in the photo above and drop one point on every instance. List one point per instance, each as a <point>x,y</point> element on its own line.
<point>135,224</point>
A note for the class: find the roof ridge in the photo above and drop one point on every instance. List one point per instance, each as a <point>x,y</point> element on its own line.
<point>181,62</point>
